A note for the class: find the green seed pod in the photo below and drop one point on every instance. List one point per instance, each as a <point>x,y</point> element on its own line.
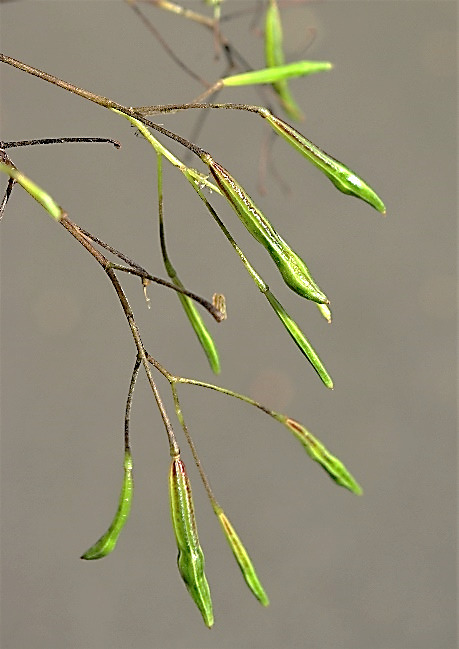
<point>317,451</point>
<point>243,559</point>
<point>341,176</point>
<point>34,190</point>
<point>107,542</point>
<point>190,557</point>
<point>200,329</point>
<point>274,56</point>
<point>300,339</point>
<point>325,312</point>
<point>292,268</point>
<point>277,74</point>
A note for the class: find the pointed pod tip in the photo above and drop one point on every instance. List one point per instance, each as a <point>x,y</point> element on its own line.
<point>209,622</point>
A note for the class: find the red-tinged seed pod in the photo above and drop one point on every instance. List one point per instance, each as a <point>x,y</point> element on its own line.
<point>190,559</point>
<point>317,451</point>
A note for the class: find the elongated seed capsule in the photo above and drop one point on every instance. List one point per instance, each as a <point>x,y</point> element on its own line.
<point>193,315</point>
<point>300,339</point>
<point>276,74</point>
<point>242,558</point>
<point>317,451</point>
<point>292,268</point>
<point>107,541</point>
<point>274,55</point>
<point>200,329</point>
<point>196,321</point>
<point>190,557</point>
<point>35,191</point>
<point>341,176</point>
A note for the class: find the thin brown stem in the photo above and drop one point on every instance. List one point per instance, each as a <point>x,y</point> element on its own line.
<point>100,100</point>
<point>136,269</point>
<point>194,452</point>
<point>164,44</point>
<point>107,266</point>
<point>59,140</point>
<point>127,416</point>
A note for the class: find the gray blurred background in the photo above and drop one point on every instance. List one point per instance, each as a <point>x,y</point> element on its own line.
<point>342,572</point>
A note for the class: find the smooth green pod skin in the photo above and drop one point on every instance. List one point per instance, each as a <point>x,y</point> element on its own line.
<point>277,73</point>
<point>292,268</point>
<point>190,559</point>
<point>193,315</point>
<point>200,329</point>
<point>242,558</point>
<point>325,312</point>
<point>300,339</point>
<point>274,56</point>
<point>317,451</point>
<point>35,191</point>
<point>341,176</point>
<point>106,544</point>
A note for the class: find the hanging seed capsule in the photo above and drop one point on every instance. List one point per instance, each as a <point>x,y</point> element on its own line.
<point>107,542</point>
<point>341,176</point>
<point>243,559</point>
<point>190,557</point>
<point>300,339</point>
<point>292,268</point>
<point>317,451</point>
<point>200,329</point>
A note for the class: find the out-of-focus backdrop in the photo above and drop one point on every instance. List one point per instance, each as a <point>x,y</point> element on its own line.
<point>342,572</point>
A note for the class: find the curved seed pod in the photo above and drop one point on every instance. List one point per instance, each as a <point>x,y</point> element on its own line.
<point>341,176</point>
<point>107,542</point>
<point>292,268</point>
<point>276,74</point>
<point>300,339</point>
<point>243,559</point>
<point>190,557</point>
<point>317,451</point>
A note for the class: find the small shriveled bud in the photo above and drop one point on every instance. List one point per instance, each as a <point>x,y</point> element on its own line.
<point>190,559</point>
<point>242,558</point>
<point>219,302</point>
<point>292,268</point>
<point>107,542</point>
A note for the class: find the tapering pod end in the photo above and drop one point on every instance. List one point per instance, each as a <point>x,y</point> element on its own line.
<point>190,559</point>
<point>242,557</point>
<point>317,451</point>
<point>107,542</point>
<point>344,179</point>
